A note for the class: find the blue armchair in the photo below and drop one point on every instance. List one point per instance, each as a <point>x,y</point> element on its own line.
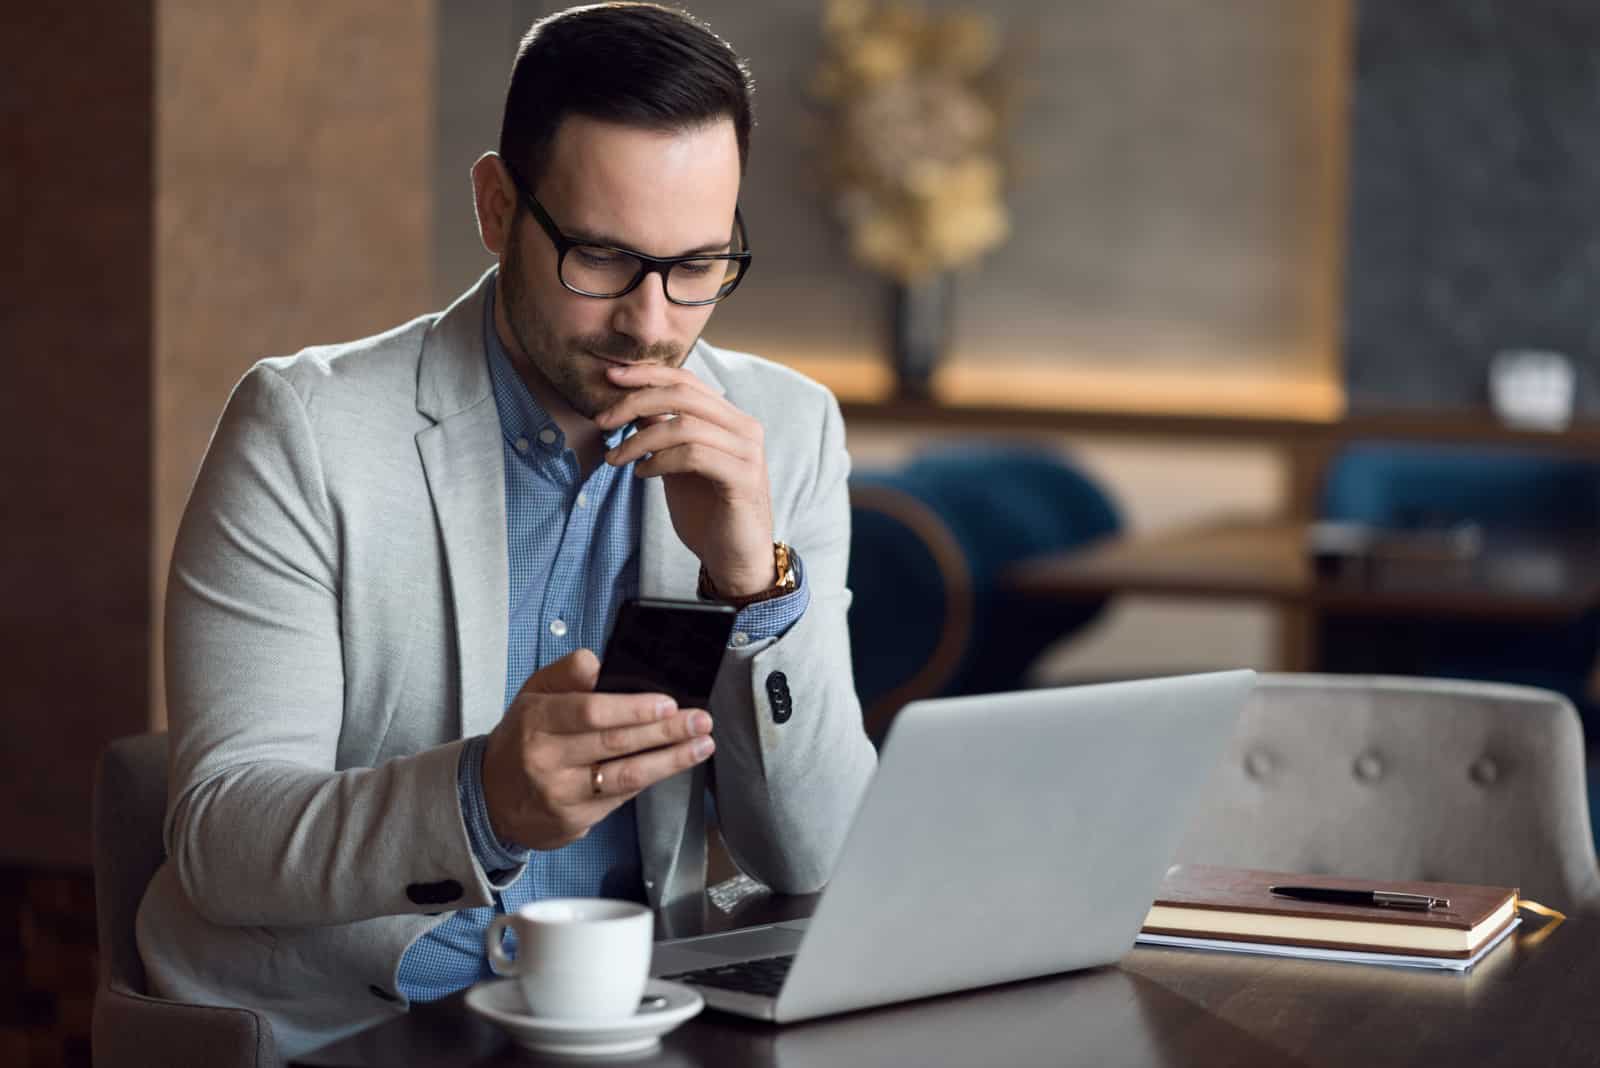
<point>928,541</point>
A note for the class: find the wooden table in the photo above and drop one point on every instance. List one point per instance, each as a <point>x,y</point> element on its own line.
<point>1528,1003</point>
<point>1524,578</point>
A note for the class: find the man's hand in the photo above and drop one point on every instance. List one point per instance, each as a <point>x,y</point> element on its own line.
<point>539,765</point>
<point>712,460</point>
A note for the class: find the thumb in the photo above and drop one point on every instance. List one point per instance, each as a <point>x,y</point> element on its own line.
<point>577,672</point>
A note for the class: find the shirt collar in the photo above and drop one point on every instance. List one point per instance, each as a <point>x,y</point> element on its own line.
<point>521,417</point>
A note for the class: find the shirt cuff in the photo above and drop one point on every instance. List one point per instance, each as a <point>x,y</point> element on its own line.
<point>492,853</point>
<point>770,619</point>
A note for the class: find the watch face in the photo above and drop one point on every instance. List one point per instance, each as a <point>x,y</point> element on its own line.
<point>784,558</point>
<point>783,562</point>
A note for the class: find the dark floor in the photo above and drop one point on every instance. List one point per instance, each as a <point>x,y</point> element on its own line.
<point>47,967</point>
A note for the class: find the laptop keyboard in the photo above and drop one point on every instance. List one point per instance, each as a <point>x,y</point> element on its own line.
<point>763,977</point>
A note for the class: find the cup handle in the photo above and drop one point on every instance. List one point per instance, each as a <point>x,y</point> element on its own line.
<point>499,963</point>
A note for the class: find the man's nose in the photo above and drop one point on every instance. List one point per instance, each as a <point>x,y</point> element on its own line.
<point>645,314</point>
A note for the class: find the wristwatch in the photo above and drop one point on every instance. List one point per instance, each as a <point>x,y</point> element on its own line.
<point>783,562</point>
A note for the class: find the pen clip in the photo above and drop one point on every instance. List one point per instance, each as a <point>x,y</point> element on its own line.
<point>1398,900</point>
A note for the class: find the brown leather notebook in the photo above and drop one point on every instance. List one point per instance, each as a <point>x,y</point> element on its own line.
<point>1198,901</point>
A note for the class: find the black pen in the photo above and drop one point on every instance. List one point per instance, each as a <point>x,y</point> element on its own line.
<point>1391,899</point>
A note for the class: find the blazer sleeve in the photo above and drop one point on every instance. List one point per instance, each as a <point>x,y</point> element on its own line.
<point>261,825</point>
<point>793,757</point>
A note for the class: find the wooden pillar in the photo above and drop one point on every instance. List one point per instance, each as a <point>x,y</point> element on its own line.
<point>75,408</point>
<point>186,187</point>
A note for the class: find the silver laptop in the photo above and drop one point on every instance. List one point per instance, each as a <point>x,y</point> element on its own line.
<point>1003,837</point>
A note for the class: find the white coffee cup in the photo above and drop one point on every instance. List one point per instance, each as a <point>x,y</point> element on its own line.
<point>578,958</point>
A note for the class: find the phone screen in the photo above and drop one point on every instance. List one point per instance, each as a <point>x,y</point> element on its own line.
<point>670,647</point>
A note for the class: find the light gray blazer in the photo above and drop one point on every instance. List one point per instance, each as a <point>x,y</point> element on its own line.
<point>337,623</point>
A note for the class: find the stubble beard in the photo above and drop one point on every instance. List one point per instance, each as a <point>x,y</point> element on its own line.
<point>566,367</point>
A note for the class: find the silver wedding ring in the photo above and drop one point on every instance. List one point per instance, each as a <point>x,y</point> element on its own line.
<point>597,780</point>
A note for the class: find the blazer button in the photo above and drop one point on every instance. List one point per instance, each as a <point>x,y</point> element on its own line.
<point>778,697</point>
<point>380,992</point>
<point>440,893</point>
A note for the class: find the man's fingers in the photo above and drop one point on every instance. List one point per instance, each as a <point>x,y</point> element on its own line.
<point>694,459</point>
<point>639,375</point>
<point>585,713</point>
<point>586,749</point>
<point>677,400</point>
<point>577,672</point>
<point>629,775</point>
<point>676,432</point>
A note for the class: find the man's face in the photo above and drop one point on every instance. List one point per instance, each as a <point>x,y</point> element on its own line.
<point>662,194</point>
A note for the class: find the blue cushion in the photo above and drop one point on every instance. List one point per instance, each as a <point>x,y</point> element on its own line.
<point>994,504</point>
<point>1407,485</point>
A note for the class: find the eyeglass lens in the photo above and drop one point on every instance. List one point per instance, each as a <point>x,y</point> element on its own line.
<point>604,272</point>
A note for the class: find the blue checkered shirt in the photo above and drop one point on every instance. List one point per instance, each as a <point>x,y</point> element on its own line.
<point>573,549</point>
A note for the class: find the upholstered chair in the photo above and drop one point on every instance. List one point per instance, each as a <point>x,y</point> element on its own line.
<point>1403,778</point>
<point>928,541</point>
<point>132,1028</point>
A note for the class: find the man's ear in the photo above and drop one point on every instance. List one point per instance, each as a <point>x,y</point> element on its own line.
<point>494,202</point>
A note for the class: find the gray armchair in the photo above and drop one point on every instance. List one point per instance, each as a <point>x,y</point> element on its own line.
<point>130,1027</point>
<point>1397,778</point>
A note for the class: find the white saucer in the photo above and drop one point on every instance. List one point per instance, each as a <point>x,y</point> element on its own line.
<point>500,1002</point>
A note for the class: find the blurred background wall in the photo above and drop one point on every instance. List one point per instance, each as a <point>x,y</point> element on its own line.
<point>1472,221</point>
<point>293,175</point>
<point>76,341</point>
<point>215,183</point>
<point>191,187</point>
<point>1178,198</point>
<point>1178,212</point>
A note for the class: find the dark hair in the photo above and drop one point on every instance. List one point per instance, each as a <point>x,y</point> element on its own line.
<point>637,64</point>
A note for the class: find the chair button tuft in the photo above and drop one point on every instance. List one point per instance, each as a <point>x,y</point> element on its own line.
<point>1369,767</point>
<point>1485,772</point>
<point>1258,764</point>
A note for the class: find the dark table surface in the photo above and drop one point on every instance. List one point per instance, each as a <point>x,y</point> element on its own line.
<point>1526,577</point>
<point>1533,1001</point>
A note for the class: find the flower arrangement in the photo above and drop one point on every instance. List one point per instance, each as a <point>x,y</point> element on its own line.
<point>917,110</point>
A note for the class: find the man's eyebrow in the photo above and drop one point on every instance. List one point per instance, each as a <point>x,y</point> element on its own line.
<point>590,237</point>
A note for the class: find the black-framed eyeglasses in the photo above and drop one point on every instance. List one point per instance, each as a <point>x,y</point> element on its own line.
<point>605,271</point>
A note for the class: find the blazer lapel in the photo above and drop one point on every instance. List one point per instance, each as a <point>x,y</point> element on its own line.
<point>464,466</point>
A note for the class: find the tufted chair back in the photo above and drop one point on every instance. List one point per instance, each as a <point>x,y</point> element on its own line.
<point>131,1027</point>
<point>1398,778</point>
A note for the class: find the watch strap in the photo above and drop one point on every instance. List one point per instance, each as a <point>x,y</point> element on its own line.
<point>783,563</point>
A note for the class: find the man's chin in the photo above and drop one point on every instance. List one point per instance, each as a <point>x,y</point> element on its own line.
<point>589,399</point>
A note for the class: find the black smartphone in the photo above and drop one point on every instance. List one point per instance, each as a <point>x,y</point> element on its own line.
<point>670,647</point>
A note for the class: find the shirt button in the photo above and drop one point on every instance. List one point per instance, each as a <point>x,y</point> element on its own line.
<point>522,444</point>
<point>583,500</point>
<point>547,436</point>
<point>740,639</point>
<point>558,628</point>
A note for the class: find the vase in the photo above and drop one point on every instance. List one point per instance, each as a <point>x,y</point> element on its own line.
<point>921,332</point>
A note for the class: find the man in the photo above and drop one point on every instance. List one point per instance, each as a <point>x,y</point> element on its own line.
<point>401,554</point>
